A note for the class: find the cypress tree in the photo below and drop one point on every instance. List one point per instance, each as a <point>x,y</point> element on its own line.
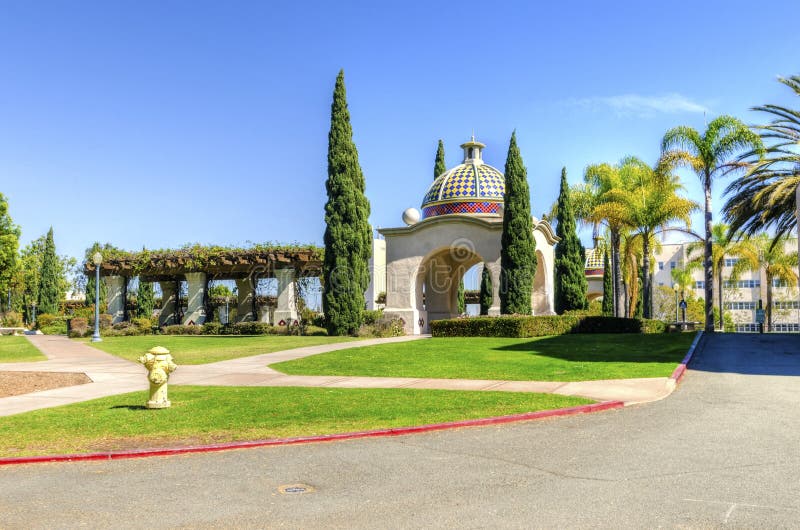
<point>570,284</point>
<point>9,246</point>
<point>486,297</point>
<point>518,249</point>
<point>49,295</point>
<point>462,301</point>
<point>608,287</point>
<point>439,166</point>
<point>145,300</point>
<point>348,236</point>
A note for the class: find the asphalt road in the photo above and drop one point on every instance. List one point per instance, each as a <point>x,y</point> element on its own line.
<point>722,451</point>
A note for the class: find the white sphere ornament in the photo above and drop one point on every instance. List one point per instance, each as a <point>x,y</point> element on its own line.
<point>411,216</point>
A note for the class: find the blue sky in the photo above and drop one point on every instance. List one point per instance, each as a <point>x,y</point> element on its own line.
<point>161,123</point>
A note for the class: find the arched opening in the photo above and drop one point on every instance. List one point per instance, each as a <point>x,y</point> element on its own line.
<point>540,301</point>
<point>437,281</point>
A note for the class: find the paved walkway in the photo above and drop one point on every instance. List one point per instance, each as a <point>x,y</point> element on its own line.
<point>111,375</point>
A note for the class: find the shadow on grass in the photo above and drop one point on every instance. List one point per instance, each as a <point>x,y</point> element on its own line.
<point>611,347</point>
<point>130,407</point>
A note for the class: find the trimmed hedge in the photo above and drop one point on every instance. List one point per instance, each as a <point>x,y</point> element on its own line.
<point>538,326</point>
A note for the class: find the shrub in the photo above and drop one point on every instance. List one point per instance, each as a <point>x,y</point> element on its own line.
<point>143,324</point>
<point>179,329</point>
<point>383,327</point>
<point>372,316</point>
<point>12,319</point>
<point>46,320</point>
<point>316,331</point>
<point>254,328</point>
<point>105,321</point>
<point>80,327</point>
<point>55,329</point>
<point>212,328</point>
<point>537,326</point>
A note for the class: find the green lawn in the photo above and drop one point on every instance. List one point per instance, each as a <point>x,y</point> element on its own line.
<point>561,358</point>
<point>208,349</point>
<point>201,415</point>
<point>18,350</point>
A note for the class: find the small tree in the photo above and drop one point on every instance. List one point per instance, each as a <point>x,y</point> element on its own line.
<point>9,245</point>
<point>439,165</point>
<point>486,297</point>
<point>49,279</point>
<point>570,277</point>
<point>518,249</point>
<point>145,300</point>
<point>608,287</point>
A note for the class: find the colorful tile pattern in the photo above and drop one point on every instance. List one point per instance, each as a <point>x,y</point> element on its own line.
<point>461,207</point>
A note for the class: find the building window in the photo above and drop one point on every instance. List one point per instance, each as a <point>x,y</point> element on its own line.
<point>777,282</point>
<point>730,262</point>
<point>699,284</point>
<point>742,284</point>
<point>661,265</point>
<point>661,284</point>
<point>786,304</point>
<point>672,265</point>
<point>747,328</point>
<point>740,306</point>
<point>786,328</point>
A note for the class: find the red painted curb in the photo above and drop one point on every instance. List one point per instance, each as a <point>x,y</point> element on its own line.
<point>400,431</point>
<point>680,370</point>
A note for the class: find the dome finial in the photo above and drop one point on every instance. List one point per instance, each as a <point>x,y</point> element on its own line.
<point>472,151</point>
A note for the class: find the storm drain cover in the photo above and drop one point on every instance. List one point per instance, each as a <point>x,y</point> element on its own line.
<point>295,489</point>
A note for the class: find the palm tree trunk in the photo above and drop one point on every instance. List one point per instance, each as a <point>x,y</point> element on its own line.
<point>709,275</point>
<point>647,297</point>
<point>619,300</point>
<point>769,303</point>
<point>720,297</point>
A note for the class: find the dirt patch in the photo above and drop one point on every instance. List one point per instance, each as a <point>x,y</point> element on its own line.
<point>16,383</point>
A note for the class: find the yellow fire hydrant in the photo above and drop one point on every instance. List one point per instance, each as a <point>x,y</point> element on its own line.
<point>159,365</point>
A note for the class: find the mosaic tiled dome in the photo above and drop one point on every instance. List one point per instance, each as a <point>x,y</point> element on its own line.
<point>469,188</point>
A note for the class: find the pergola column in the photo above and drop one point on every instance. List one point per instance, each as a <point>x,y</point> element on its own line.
<point>287,307</point>
<point>494,270</point>
<point>196,308</point>
<point>245,295</point>
<point>115,289</point>
<point>169,304</point>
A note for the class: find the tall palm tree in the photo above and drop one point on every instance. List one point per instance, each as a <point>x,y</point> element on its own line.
<point>724,244</point>
<point>648,202</point>
<point>709,155</point>
<point>599,179</point>
<point>765,196</point>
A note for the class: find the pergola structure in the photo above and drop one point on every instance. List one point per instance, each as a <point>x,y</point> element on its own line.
<point>200,265</point>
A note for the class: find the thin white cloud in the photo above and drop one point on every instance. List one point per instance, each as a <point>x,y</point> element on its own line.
<point>638,104</point>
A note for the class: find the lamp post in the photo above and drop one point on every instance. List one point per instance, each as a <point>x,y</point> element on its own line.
<point>97,259</point>
<point>675,288</point>
<point>33,307</point>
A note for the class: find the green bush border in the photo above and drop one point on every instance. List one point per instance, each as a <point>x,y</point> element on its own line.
<point>539,326</point>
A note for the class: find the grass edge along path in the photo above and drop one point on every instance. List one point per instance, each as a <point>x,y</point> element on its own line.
<point>18,350</point>
<point>579,357</point>
<point>203,415</point>
<point>204,349</point>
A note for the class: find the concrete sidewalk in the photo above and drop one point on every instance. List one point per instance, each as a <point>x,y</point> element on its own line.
<point>111,375</point>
